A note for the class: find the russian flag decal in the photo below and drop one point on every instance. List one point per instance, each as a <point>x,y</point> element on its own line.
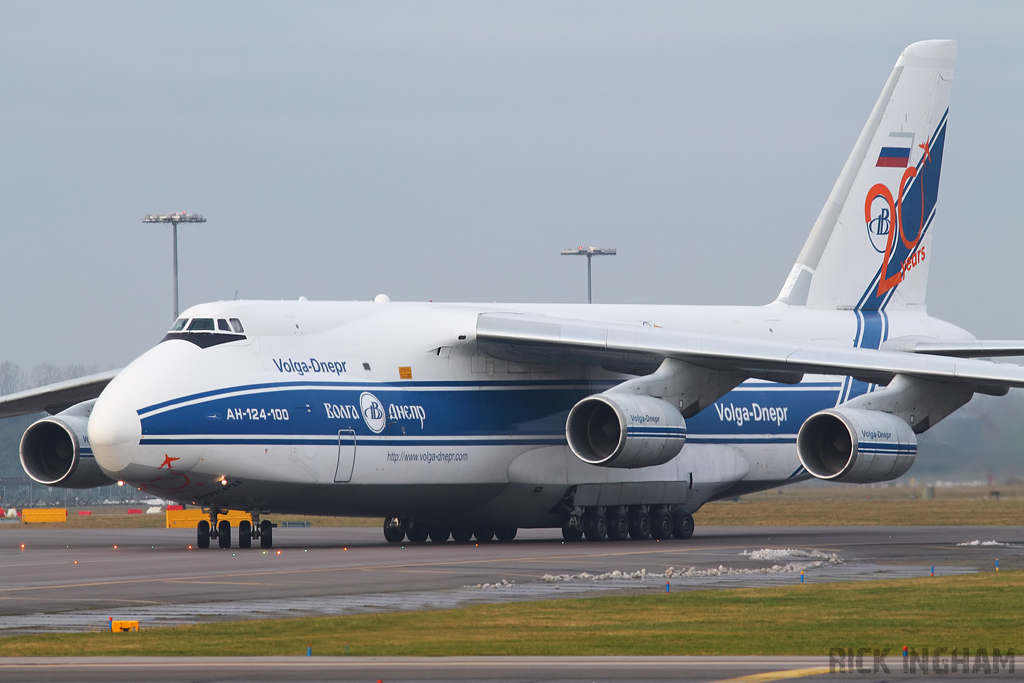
<point>896,152</point>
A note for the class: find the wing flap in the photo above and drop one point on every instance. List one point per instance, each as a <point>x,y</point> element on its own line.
<point>975,348</point>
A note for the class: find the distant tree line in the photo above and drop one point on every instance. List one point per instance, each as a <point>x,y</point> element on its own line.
<point>14,379</point>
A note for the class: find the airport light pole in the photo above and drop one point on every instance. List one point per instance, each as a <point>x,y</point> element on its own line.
<point>590,253</point>
<point>174,219</point>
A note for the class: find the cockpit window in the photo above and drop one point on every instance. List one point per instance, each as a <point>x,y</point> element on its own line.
<point>206,332</point>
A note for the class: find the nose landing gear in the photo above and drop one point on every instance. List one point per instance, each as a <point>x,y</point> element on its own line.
<point>221,531</point>
<point>203,534</point>
<point>245,534</point>
<point>224,534</point>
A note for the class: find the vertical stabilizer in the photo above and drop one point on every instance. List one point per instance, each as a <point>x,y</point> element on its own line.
<point>870,247</point>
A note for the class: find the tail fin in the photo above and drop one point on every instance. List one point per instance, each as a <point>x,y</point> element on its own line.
<point>870,247</point>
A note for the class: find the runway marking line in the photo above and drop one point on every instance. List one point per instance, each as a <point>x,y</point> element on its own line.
<point>384,662</point>
<point>396,567</point>
<point>376,567</point>
<point>777,675</point>
<point>104,600</point>
<point>216,583</point>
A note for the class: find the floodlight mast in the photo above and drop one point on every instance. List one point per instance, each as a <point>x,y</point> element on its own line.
<point>174,219</point>
<point>589,252</point>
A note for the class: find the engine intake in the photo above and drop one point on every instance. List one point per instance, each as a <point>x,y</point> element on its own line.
<point>55,451</point>
<point>622,430</point>
<point>856,446</point>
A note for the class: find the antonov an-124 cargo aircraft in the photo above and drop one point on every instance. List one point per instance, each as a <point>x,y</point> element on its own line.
<point>608,421</point>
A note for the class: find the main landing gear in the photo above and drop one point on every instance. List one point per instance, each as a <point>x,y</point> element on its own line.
<point>639,522</point>
<point>221,531</point>
<point>398,529</point>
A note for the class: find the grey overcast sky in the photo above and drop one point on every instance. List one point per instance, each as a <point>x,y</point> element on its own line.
<point>448,151</point>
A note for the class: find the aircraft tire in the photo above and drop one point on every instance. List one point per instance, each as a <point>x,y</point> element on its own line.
<point>266,534</point>
<point>417,533</point>
<point>438,535</point>
<point>682,524</point>
<point>244,534</point>
<point>661,524</point>
<point>506,533</point>
<point>640,525</point>
<point>203,534</point>
<point>618,526</point>
<point>483,535</point>
<point>224,534</point>
<point>394,531</point>
<point>572,534</point>
<point>595,526</point>
<point>462,535</point>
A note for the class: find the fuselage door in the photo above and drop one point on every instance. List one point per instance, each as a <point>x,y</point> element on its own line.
<point>346,454</point>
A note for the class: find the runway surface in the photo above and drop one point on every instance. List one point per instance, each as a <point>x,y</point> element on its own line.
<point>408,669</point>
<point>76,579</point>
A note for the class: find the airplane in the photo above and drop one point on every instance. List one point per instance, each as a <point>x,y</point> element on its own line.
<point>463,420</point>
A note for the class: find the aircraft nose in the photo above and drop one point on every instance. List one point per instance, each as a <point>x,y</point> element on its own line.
<point>114,432</point>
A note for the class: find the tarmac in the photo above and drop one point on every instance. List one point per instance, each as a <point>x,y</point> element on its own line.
<point>75,580</point>
<point>507,669</point>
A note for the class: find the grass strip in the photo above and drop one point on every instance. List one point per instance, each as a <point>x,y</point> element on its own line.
<point>794,511</point>
<point>974,610</point>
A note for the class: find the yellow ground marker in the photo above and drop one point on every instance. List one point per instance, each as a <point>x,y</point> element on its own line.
<point>778,675</point>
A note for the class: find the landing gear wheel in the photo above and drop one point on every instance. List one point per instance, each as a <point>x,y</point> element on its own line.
<point>394,530</point>
<point>682,524</point>
<point>618,526</point>
<point>203,534</point>
<point>224,534</point>
<point>640,526</point>
<point>266,534</point>
<point>506,533</point>
<point>661,524</point>
<point>595,526</point>
<point>572,534</point>
<point>462,535</point>
<point>244,534</point>
<point>438,535</point>
<point>483,535</point>
<point>417,533</point>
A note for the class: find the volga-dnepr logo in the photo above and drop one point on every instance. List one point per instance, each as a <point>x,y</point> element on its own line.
<point>895,230</point>
<point>373,412</point>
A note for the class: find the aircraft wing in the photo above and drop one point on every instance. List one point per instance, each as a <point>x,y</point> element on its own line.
<point>617,346</point>
<point>53,398</point>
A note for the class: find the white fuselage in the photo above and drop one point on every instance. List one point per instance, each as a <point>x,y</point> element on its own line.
<point>361,408</point>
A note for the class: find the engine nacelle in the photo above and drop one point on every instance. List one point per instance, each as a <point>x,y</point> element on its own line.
<point>623,430</point>
<point>856,446</point>
<point>55,451</point>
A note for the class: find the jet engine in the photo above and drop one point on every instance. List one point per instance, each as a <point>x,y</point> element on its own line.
<point>856,446</point>
<point>623,430</point>
<point>55,450</point>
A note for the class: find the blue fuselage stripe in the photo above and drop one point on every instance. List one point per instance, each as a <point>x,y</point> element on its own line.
<point>452,413</point>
